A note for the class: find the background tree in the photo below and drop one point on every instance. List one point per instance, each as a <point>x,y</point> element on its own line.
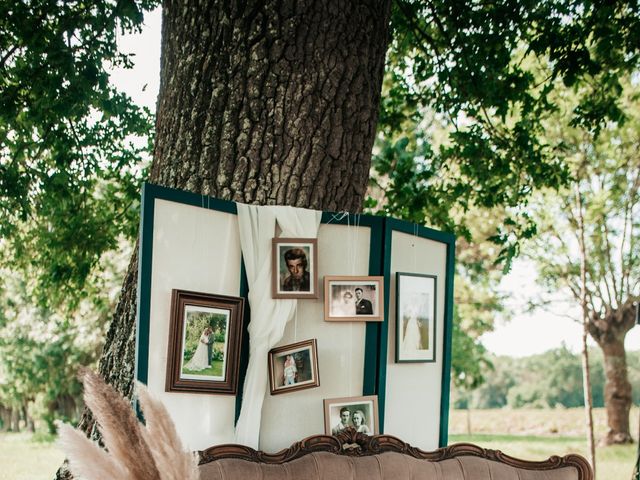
<point>269,118</point>
<point>545,380</point>
<point>41,348</point>
<point>71,145</point>
<point>605,181</point>
<point>462,126</point>
<point>472,70</point>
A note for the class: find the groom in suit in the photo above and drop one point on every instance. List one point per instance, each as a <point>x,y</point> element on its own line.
<point>363,306</point>
<point>209,345</point>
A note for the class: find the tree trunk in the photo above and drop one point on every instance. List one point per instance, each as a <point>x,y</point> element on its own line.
<point>273,103</point>
<point>5,419</point>
<point>29,424</point>
<point>586,373</point>
<point>588,400</point>
<point>260,102</point>
<point>617,394</point>
<point>610,331</point>
<point>15,420</point>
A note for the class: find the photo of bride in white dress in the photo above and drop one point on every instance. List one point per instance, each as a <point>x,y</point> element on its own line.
<point>415,317</point>
<point>344,305</point>
<point>204,343</point>
<point>413,339</point>
<point>200,359</point>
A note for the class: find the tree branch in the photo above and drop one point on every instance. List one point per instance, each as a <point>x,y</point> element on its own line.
<point>609,262</point>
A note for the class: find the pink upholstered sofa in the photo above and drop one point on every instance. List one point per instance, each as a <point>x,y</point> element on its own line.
<point>355,456</point>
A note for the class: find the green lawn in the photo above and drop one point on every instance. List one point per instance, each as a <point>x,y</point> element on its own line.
<point>612,463</point>
<point>22,458</point>
<point>538,434</point>
<point>215,369</point>
<point>526,434</point>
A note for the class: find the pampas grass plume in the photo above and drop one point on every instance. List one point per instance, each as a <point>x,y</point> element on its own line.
<point>135,452</point>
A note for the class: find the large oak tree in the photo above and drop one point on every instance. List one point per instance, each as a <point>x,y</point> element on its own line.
<point>261,102</point>
<point>277,102</point>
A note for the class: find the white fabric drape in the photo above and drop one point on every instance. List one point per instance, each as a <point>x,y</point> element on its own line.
<point>269,316</point>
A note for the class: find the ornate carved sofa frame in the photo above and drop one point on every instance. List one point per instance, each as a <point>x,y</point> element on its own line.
<point>351,455</point>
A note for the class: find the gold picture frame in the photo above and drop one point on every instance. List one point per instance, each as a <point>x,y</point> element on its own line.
<point>353,298</point>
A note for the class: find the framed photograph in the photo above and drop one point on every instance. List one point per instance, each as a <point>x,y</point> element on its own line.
<point>294,367</point>
<point>415,317</point>
<point>204,343</point>
<point>295,268</point>
<point>360,413</point>
<point>353,299</point>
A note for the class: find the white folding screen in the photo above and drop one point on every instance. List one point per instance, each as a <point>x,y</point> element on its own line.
<point>189,244</point>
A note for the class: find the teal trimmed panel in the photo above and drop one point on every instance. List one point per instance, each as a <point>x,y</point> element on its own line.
<point>376,339</point>
<point>375,349</point>
<point>372,358</point>
<point>145,257</point>
<point>449,240</point>
<point>189,198</point>
<point>448,335</point>
<point>151,193</point>
<point>244,347</point>
<point>383,339</point>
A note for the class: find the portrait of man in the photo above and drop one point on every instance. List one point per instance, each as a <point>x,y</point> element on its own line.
<point>345,421</point>
<point>295,272</point>
<point>298,279</point>
<point>363,306</point>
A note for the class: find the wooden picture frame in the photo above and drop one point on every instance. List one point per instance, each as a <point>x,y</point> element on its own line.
<point>294,268</point>
<point>364,408</point>
<point>353,298</point>
<point>205,334</point>
<point>294,367</point>
<point>416,307</point>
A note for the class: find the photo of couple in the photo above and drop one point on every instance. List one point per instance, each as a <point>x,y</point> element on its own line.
<point>350,304</point>
<point>353,298</point>
<point>205,343</point>
<point>359,413</point>
<point>356,420</point>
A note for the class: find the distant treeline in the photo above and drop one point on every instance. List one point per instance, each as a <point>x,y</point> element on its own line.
<point>551,379</point>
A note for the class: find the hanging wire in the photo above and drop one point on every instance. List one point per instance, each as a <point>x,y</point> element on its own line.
<point>338,217</point>
<point>413,246</point>
<point>351,356</point>
<point>356,223</point>
<point>295,324</point>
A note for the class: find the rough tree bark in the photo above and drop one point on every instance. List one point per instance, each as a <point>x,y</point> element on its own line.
<point>270,102</point>
<point>609,332</point>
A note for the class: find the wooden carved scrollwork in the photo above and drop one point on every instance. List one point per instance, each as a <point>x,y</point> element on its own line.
<point>351,443</point>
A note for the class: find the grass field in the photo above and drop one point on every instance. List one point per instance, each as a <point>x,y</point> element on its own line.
<point>22,458</point>
<point>526,434</point>
<point>215,369</point>
<point>538,434</point>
